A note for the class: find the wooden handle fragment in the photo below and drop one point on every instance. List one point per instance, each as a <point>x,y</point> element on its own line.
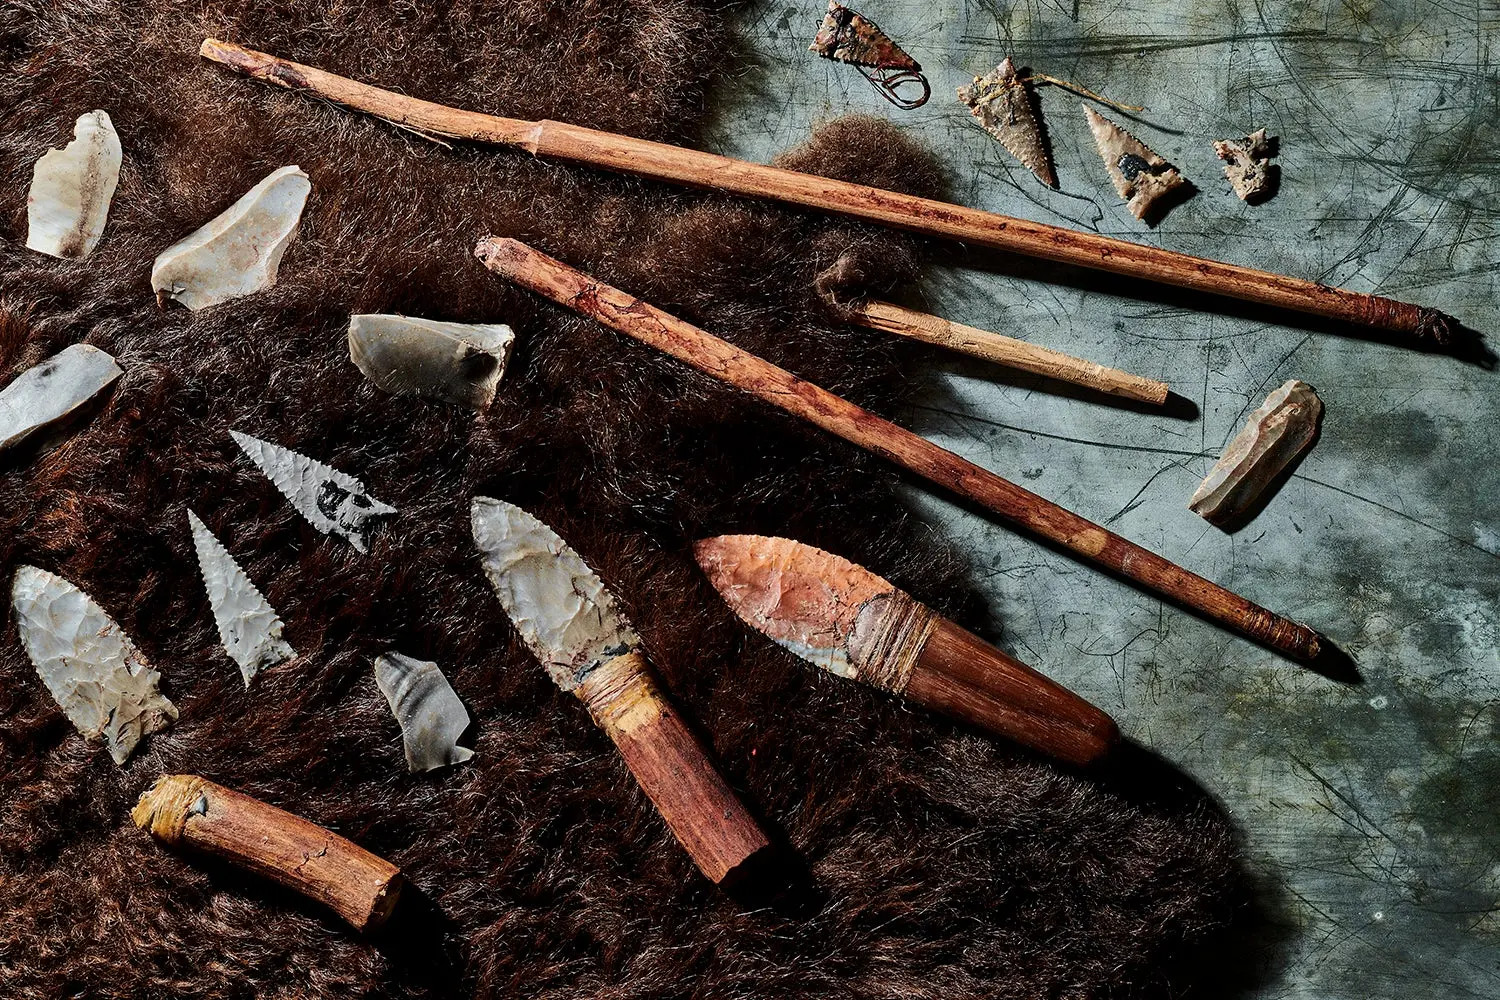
<point>891,318</point>
<point>671,766</point>
<point>779,387</point>
<point>961,675</point>
<point>665,162</point>
<point>183,810</point>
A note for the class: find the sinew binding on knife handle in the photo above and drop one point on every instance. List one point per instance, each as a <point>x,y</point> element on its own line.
<point>184,810</point>
<point>665,162</point>
<point>844,618</point>
<point>629,315</point>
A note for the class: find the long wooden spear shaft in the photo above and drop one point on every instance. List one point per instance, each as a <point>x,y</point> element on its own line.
<point>779,387</point>
<point>665,162</point>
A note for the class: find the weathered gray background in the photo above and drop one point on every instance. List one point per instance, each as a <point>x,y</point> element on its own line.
<point>1372,809</point>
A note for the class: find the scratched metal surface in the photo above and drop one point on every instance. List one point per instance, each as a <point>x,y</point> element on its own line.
<point>1370,810</point>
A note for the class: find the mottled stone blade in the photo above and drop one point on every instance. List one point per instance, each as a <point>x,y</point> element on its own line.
<point>71,189</point>
<point>455,362</point>
<point>53,391</point>
<point>559,605</point>
<point>847,36</point>
<point>1247,164</point>
<point>431,716</point>
<point>1277,432</point>
<point>248,625</point>
<point>802,598</point>
<point>238,252</point>
<point>1140,176</point>
<point>1005,107</point>
<point>331,501</point>
<point>100,680</point>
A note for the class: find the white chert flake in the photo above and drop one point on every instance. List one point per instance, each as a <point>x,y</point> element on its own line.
<point>1142,177</point>
<point>53,390</point>
<point>1277,432</point>
<point>71,189</point>
<point>237,252</point>
<point>97,676</point>
<point>248,625</point>
<point>1248,166</point>
<point>560,607</point>
<point>456,362</point>
<point>331,501</point>
<point>431,716</point>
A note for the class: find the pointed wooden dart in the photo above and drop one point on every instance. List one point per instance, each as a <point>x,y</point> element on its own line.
<point>852,623</point>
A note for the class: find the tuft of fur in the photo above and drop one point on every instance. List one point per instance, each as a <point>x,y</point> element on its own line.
<point>936,862</point>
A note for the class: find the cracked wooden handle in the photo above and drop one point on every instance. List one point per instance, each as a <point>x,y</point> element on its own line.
<point>184,810</point>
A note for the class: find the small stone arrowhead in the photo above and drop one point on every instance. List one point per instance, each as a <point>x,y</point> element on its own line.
<point>100,680</point>
<point>331,501</point>
<point>1004,106</point>
<point>1140,176</point>
<point>248,625</point>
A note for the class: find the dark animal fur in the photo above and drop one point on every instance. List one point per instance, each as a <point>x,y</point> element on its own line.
<point>937,862</point>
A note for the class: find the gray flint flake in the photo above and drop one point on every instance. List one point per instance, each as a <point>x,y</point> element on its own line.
<point>100,680</point>
<point>455,362</point>
<point>332,502</point>
<point>431,716</point>
<point>1278,430</point>
<point>53,390</point>
<point>248,625</point>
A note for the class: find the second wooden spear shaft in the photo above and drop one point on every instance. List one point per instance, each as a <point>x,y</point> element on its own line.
<point>665,162</point>
<point>644,322</point>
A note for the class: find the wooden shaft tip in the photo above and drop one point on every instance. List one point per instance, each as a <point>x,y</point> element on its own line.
<point>163,809</point>
<point>502,254</point>
<point>258,65</point>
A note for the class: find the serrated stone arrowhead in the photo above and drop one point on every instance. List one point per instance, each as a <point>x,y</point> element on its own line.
<point>1004,106</point>
<point>100,680</point>
<point>332,502</point>
<point>1140,175</point>
<point>248,626</point>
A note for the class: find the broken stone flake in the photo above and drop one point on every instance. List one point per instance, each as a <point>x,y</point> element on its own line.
<point>53,390</point>
<point>1277,432</point>
<point>238,252</point>
<point>71,189</point>
<point>1247,164</point>
<point>431,716</point>
<point>849,37</point>
<point>331,501</point>
<point>1140,176</point>
<point>1004,106</point>
<point>248,625</point>
<point>456,362</point>
<point>561,608</point>
<point>100,680</point>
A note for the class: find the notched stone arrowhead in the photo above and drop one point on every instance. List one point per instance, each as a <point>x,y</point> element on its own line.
<point>1006,108</point>
<point>1148,183</point>
<point>1277,432</point>
<point>238,252</point>
<point>100,680</point>
<point>455,362</point>
<point>248,626</point>
<point>53,391</point>
<point>331,501</point>
<point>431,716</point>
<point>71,189</point>
<point>1247,164</point>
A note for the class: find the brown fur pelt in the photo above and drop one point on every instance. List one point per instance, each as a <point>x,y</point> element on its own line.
<point>925,860</point>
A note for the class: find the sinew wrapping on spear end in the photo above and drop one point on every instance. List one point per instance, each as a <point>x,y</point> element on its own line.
<point>238,252</point>
<point>53,391</point>
<point>1006,108</point>
<point>71,188</point>
<point>456,362</point>
<point>1142,177</point>
<point>91,668</point>
<point>248,626</point>
<point>1278,431</point>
